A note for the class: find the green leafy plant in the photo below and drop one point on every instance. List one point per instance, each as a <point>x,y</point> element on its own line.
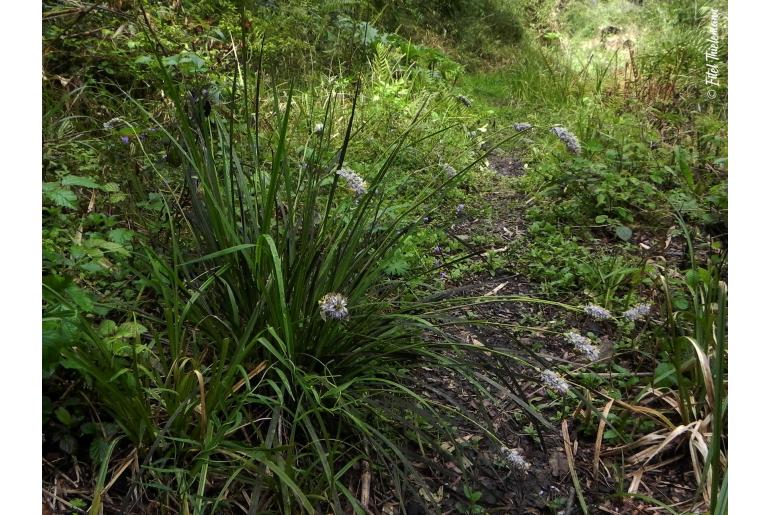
<point>281,357</point>
<point>696,347</point>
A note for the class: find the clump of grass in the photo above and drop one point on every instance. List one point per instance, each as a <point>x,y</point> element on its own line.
<point>282,356</point>
<point>692,377</point>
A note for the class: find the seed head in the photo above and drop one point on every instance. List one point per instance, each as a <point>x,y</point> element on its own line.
<point>515,459</point>
<point>318,128</point>
<point>465,100</point>
<point>334,306</point>
<point>449,170</point>
<point>637,312</point>
<point>111,124</point>
<point>583,345</point>
<point>355,182</point>
<point>554,381</point>
<point>569,139</point>
<point>597,312</point>
<point>523,126</point>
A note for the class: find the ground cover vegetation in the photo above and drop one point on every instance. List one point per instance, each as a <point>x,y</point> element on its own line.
<point>383,257</point>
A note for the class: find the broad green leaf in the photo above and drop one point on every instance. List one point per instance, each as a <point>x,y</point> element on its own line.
<point>111,246</point>
<point>130,330</point>
<point>121,236</point>
<point>107,328</point>
<point>665,374</point>
<point>111,187</point>
<point>64,416</point>
<point>171,60</point>
<point>80,298</point>
<point>623,232</point>
<point>60,196</point>
<point>396,266</point>
<point>75,180</point>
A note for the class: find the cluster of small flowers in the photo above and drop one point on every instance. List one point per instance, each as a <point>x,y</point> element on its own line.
<point>355,181</point>
<point>576,338</point>
<point>519,127</point>
<point>111,124</point>
<point>465,100</point>
<point>318,128</point>
<point>124,139</point>
<point>597,312</point>
<point>449,170</point>
<point>637,312</point>
<point>554,381</point>
<point>459,209</point>
<point>515,459</point>
<point>569,139</point>
<point>583,345</point>
<point>334,306</point>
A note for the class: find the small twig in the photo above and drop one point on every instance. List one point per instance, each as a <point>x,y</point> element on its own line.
<point>59,473</point>
<point>571,464</point>
<point>59,499</point>
<point>600,434</point>
<point>131,458</point>
<point>366,479</point>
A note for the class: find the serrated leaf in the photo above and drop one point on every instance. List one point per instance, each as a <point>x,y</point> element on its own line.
<point>120,236</point>
<point>93,267</point>
<point>57,283</point>
<point>107,328</point>
<point>98,449</point>
<point>396,267</point>
<point>130,330</point>
<point>80,298</point>
<point>111,246</point>
<point>76,180</point>
<point>60,196</point>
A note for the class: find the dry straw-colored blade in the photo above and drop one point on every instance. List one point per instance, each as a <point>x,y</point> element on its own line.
<point>600,435</point>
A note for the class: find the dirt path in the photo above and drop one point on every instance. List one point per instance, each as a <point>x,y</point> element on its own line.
<point>535,332</point>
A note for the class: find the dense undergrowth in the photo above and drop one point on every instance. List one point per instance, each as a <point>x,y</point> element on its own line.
<point>256,215</point>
